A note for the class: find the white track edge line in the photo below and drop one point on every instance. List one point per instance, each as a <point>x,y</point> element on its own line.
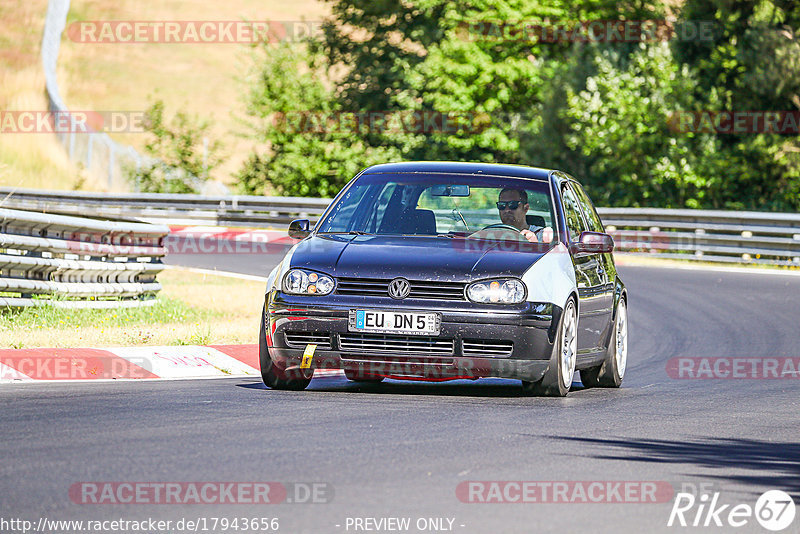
<point>156,379</point>
<point>656,264</point>
<point>220,273</point>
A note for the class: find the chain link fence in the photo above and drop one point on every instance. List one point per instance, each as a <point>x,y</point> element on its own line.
<point>96,152</point>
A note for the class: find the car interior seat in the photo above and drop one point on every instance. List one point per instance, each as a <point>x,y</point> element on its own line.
<point>412,222</point>
<point>535,220</point>
<point>423,222</point>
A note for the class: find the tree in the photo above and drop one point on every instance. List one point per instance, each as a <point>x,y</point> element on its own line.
<point>624,126</point>
<point>313,148</point>
<point>179,162</point>
<point>752,62</point>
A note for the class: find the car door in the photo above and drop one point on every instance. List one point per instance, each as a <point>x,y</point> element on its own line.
<point>608,270</point>
<point>590,278</point>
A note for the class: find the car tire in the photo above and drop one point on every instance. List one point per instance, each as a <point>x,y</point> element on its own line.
<point>558,378</point>
<point>610,373</point>
<point>272,376</point>
<point>360,376</point>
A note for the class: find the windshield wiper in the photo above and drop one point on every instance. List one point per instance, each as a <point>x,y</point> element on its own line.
<point>351,232</point>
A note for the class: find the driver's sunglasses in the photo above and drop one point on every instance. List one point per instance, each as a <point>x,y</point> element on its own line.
<point>511,204</point>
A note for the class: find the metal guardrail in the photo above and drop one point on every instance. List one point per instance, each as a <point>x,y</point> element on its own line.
<point>724,236</point>
<point>75,262</point>
<point>718,236</point>
<point>253,211</point>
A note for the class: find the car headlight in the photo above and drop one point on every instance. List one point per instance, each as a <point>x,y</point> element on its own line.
<point>302,282</point>
<point>504,291</point>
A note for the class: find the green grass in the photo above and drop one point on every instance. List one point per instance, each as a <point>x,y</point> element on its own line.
<point>43,317</point>
<point>191,309</point>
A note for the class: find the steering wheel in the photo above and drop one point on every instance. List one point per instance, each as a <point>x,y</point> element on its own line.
<point>501,225</point>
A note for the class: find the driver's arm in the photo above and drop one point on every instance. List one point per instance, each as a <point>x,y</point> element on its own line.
<point>530,235</point>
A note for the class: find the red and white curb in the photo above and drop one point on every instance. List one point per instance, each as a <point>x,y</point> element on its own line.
<point>131,363</point>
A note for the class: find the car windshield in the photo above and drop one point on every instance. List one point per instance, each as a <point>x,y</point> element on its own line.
<point>456,206</point>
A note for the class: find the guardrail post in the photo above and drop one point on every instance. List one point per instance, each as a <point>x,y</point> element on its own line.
<point>110,166</point>
<point>89,152</point>
<point>71,137</point>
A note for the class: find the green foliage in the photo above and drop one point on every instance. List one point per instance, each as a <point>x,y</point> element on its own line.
<point>314,149</point>
<point>605,112</point>
<point>622,123</point>
<point>51,317</point>
<point>180,163</point>
<point>753,64</point>
<point>380,42</point>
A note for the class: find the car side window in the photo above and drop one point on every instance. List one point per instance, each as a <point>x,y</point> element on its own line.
<point>572,212</point>
<point>589,213</point>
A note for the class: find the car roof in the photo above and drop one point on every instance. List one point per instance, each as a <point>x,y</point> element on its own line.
<point>458,167</point>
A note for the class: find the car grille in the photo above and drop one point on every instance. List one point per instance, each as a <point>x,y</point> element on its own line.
<point>374,287</point>
<point>487,347</point>
<point>379,343</point>
<point>301,339</point>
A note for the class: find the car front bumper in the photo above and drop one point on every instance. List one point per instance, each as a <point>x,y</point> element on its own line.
<point>475,341</point>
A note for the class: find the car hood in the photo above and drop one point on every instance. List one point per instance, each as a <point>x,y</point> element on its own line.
<point>415,257</point>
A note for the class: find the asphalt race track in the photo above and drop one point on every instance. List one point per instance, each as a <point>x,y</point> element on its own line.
<point>400,450</point>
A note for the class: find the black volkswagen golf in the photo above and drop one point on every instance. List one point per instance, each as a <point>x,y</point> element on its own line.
<point>442,271</point>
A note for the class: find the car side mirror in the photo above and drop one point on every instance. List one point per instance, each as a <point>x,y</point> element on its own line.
<point>593,243</point>
<point>299,228</point>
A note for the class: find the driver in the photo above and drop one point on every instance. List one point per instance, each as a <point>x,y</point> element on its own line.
<point>513,205</point>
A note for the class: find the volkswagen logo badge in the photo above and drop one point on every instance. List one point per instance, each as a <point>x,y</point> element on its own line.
<point>399,288</point>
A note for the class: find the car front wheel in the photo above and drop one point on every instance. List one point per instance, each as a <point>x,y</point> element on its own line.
<point>558,378</point>
<point>272,376</point>
<point>610,373</point>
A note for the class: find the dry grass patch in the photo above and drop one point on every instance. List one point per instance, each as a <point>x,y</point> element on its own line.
<point>192,309</point>
<point>200,79</point>
<point>30,159</point>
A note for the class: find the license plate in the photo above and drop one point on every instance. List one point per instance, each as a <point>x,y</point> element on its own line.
<point>388,322</point>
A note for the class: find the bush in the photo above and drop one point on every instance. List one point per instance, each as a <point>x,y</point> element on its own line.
<point>313,149</point>
<point>178,163</point>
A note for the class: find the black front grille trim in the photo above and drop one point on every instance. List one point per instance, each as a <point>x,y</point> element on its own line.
<point>393,344</point>
<point>372,287</point>
<point>487,347</point>
<point>299,340</point>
